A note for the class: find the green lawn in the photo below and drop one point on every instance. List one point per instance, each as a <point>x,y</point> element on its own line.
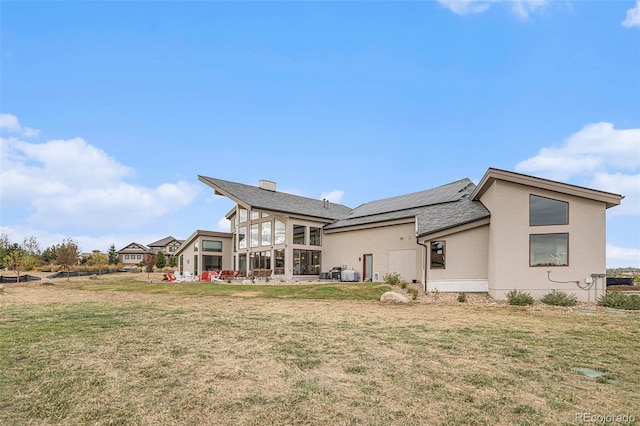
<point>344,291</point>
<point>142,354</point>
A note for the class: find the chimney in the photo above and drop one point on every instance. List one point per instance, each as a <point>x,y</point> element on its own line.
<point>267,185</point>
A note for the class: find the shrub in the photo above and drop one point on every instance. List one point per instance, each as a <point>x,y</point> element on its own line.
<point>559,298</point>
<point>404,284</point>
<point>519,298</point>
<point>436,293</point>
<point>462,297</point>
<point>617,300</point>
<point>413,292</point>
<point>392,278</point>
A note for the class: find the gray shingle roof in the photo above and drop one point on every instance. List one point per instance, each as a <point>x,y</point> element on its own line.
<point>440,194</point>
<point>163,242</point>
<point>263,199</point>
<point>434,209</point>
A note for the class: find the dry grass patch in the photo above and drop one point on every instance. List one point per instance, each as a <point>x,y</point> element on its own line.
<point>73,356</point>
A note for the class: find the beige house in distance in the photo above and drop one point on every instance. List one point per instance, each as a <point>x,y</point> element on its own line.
<point>168,245</point>
<point>511,231</point>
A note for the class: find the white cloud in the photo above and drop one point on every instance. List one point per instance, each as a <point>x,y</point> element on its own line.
<point>520,8</point>
<point>621,257</point>
<point>633,17</point>
<point>72,183</point>
<point>334,196</point>
<point>223,225</point>
<point>597,156</point>
<point>9,123</point>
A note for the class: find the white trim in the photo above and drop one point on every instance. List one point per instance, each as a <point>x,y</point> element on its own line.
<point>454,285</point>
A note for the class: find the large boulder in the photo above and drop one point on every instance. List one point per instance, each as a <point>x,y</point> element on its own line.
<point>46,281</point>
<point>393,297</point>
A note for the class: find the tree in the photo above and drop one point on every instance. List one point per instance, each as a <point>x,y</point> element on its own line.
<point>173,261</point>
<point>68,254</point>
<point>5,249</point>
<point>98,259</point>
<point>149,260</point>
<point>15,259</point>
<point>50,254</point>
<point>113,256</point>
<point>161,260</point>
<point>31,246</point>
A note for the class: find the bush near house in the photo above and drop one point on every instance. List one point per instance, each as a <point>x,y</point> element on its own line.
<point>617,300</point>
<point>559,298</point>
<point>519,298</point>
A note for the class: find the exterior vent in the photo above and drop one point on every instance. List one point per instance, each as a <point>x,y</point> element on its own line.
<point>267,185</point>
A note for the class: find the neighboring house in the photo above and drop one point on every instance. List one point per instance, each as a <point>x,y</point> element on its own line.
<point>167,245</point>
<point>510,231</point>
<point>205,251</point>
<point>133,253</point>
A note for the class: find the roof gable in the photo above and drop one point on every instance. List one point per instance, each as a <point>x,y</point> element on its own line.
<point>257,198</point>
<point>135,247</point>
<point>610,199</point>
<point>164,242</point>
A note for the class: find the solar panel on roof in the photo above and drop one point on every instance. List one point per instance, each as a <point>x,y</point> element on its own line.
<point>442,194</point>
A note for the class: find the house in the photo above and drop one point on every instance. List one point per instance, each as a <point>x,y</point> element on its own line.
<point>133,253</point>
<point>168,245</point>
<point>205,251</point>
<point>511,231</point>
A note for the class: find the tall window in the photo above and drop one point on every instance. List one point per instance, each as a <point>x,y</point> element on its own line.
<point>211,263</point>
<point>298,234</point>
<point>209,245</point>
<point>242,237</point>
<point>195,246</point>
<point>549,250</point>
<point>242,263</point>
<point>266,233</point>
<point>242,213</point>
<point>279,234</point>
<point>306,262</point>
<point>315,236</point>
<point>437,254</point>
<point>546,211</point>
<point>254,235</point>
<point>261,260</point>
<point>279,262</point>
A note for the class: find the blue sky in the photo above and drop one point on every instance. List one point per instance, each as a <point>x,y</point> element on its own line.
<point>110,110</point>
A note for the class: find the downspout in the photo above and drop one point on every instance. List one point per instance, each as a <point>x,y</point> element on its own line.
<point>424,263</point>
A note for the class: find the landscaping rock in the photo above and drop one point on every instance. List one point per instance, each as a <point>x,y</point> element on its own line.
<point>1,289</point>
<point>46,281</point>
<point>93,277</point>
<point>393,297</point>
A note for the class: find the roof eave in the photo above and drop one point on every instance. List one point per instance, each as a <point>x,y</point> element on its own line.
<point>610,199</point>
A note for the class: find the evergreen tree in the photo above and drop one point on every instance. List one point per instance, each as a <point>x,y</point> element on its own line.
<point>113,256</point>
<point>161,260</point>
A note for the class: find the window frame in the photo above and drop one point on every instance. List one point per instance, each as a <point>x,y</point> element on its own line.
<point>551,223</point>
<point>315,236</point>
<point>214,250</point>
<point>546,265</point>
<point>304,234</point>
<point>432,264</point>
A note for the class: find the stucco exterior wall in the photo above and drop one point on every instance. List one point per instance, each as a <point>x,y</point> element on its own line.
<point>508,260</point>
<point>466,261</point>
<point>187,253</point>
<point>392,247</point>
